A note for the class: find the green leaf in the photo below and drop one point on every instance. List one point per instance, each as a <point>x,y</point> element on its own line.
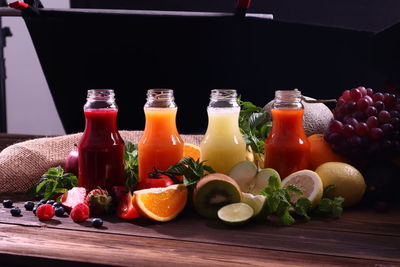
<point>328,189</point>
<point>286,218</point>
<point>303,206</point>
<point>295,189</point>
<point>325,205</point>
<point>40,185</point>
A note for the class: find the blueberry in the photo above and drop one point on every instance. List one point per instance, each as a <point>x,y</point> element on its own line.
<point>97,222</point>
<point>59,211</point>
<point>43,201</point>
<point>7,203</point>
<point>29,205</point>
<point>56,204</point>
<point>35,208</point>
<point>15,211</point>
<point>51,202</point>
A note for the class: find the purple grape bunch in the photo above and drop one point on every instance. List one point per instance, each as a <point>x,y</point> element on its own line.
<point>365,124</point>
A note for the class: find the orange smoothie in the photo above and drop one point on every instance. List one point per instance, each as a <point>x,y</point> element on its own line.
<point>160,146</point>
<point>287,148</point>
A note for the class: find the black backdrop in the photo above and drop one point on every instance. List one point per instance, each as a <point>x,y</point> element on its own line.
<point>131,53</point>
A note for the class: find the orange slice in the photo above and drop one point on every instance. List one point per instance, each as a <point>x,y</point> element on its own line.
<point>191,150</point>
<point>161,204</point>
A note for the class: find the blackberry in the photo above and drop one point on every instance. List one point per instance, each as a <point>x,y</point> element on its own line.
<point>29,205</point>
<point>59,211</point>
<point>97,222</point>
<point>15,211</point>
<point>7,203</point>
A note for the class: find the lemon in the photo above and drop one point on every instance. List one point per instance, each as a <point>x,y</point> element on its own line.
<point>307,181</point>
<point>349,182</point>
<point>236,213</point>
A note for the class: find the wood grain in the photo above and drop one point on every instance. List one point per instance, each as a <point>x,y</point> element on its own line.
<point>37,244</point>
<point>325,238</point>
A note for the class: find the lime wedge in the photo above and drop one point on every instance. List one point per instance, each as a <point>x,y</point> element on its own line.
<point>236,213</point>
<point>254,201</point>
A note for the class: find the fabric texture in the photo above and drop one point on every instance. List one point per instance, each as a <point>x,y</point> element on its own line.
<point>23,164</point>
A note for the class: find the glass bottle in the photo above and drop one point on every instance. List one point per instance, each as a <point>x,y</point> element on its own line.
<point>223,145</point>
<point>101,148</point>
<point>287,148</point>
<point>161,145</point>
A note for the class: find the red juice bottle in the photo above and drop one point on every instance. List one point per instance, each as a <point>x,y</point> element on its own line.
<point>101,148</point>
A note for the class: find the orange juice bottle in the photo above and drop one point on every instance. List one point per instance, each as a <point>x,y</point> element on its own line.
<point>160,146</point>
<point>287,149</point>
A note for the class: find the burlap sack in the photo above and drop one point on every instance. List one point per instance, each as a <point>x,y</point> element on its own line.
<point>23,164</point>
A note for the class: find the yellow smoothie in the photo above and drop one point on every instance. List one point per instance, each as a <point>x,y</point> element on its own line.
<point>223,145</point>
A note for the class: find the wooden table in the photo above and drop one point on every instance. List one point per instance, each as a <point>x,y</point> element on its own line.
<point>361,237</point>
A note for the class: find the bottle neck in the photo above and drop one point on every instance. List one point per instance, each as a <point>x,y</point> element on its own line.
<point>160,98</point>
<point>288,99</point>
<point>223,98</point>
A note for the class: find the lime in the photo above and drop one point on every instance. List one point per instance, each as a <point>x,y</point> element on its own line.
<point>307,181</point>
<point>236,213</point>
<point>348,181</point>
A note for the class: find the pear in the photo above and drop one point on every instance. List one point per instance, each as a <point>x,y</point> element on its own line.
<point>243,173</point>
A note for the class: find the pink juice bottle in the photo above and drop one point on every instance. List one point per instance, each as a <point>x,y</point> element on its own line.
<point>101,148</point>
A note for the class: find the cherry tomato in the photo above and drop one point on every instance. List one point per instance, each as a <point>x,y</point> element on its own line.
<point>154,182</point>
<point>126,209</point>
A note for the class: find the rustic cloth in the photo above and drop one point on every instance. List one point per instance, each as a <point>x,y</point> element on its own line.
<point>23,164</point>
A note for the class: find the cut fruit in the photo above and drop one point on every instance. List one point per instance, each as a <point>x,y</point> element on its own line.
<point>161,204</point>
<point>236,213</point>
<point>254,201</point>
<point>213,192</point>
<point>73,197</point>
<point>191,150</point>
<point>262,179</point>
<point>243,173</point>
<point>307,181</point>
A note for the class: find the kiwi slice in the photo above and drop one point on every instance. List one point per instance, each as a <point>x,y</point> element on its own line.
<point>213,192</point>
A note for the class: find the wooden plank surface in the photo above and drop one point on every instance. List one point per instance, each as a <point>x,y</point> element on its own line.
<point>319,241</point>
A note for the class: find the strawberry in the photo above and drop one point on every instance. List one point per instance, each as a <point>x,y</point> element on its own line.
<point>45,212</point>
<point>80,212</point>
<point>73,197</point>
<point>99,201</point>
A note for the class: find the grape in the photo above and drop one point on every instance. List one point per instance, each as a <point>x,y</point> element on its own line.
<point>363,104</point>
<point>379,105</point>
<point>336,126</point>
<point>346,95</point>
<point>361,128</point>
<point>371,111</point>
<point>372,122</point>
<point>378,97</point>
<point>362,90</point>
<point>384,116</point>
<point>389,100</point>
<point>387,129</point>
<point>395,122</point>
<point>366,123</point>
<point>394,114</point>
<point>355,94</point>
<point>375,133</point>
<point>348,130</point>
<point>349,107</point>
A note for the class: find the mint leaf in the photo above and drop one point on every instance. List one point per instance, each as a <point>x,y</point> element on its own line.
<point>131,165</point>
<point>295,189</point>
<point>328,189</point>
<point>303,206</point>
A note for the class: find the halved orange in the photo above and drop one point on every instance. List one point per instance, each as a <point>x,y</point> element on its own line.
<point>191,150</point>
<point>161,204</point>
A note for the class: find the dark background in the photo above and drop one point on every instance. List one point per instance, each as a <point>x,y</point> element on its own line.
<point>320,47</point>
<point>369,15</point>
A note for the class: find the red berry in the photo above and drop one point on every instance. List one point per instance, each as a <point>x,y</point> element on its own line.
<point>80,212</point>
<point>45,212</point>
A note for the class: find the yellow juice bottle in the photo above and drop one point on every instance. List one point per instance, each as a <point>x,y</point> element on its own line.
<point>223,145</point>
